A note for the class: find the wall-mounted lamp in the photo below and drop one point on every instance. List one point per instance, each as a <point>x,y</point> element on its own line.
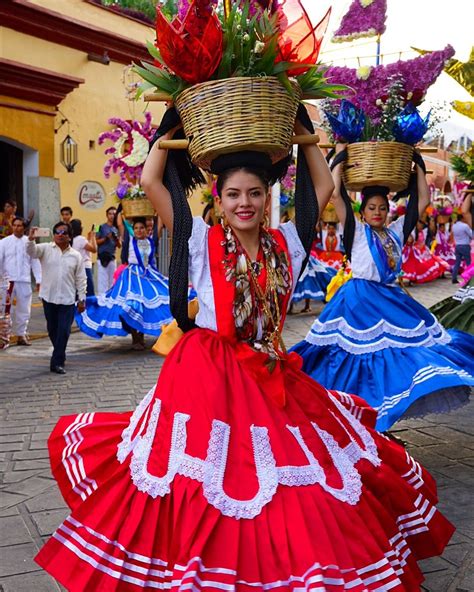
<point>68,154</point>
<point>97,57</point>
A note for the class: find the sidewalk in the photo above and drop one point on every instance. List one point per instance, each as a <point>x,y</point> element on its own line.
<point>105,375</point>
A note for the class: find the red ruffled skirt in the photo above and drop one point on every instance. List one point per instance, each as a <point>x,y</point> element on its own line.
<point>211,484</point>
<point>332,258</point>
<point>420,266</point>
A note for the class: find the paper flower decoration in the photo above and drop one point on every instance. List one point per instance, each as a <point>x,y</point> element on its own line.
<point>363,72</point>
<point>365,18</point>
<point>409,126</point>
<point>299,41</point>
<point>190,46</point>
<point>349,124</point>
<point>130,148</point>
<point>464,107</point>
<point>417,75</point>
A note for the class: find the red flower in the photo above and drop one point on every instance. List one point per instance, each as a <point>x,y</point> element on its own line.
<point>191,48</point>
<point>299,41</point>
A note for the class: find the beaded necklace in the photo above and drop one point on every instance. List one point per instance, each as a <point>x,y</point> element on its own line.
<point>257,310</point>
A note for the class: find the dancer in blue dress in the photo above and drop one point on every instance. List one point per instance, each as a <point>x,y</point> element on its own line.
<point>375,340</point>
<point>313,282</point>
<point>138,302</point>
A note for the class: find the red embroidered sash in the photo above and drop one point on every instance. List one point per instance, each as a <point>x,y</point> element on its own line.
<point>269,376</point>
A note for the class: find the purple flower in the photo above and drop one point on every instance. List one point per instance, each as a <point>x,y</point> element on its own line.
<point>122,190</point>
<point>362,21</point>
<point>417,75</point>
<point>200,5</point>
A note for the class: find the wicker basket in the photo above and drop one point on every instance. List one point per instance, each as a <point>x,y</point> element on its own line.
<point>224,116</point>
<point>378,163</point>
<point>137,208</point>
<point>329,214</point>
<point>441,219</point>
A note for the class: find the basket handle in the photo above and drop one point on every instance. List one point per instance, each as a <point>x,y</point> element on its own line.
<point>300,140</point>
<point>184,144</point>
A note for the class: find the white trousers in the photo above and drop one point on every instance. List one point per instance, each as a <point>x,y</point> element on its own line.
<point>21,310</point>
<point>105,276</point>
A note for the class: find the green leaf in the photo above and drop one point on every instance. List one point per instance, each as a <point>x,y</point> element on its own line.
<point>143,88</point>
<point>154,52</point>
<point>283,78</point>
<point>285,66</point>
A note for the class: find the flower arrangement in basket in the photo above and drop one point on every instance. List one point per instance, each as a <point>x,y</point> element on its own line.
<point>381,122</point>
<point>236,72</point>
<point>127,155</point>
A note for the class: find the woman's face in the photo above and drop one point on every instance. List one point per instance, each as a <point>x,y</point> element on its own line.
<point>376,211</point>
<point>139,230</point>
<point>244,201</point>
<point>9,210</point>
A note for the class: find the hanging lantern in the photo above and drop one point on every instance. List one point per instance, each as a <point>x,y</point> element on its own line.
<point>68,154</point>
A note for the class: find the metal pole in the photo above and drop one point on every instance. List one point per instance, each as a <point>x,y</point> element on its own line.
<point>377,59</point>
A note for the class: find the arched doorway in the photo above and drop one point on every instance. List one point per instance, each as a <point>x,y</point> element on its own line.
<point>11,175</point>
<point>17,163</point>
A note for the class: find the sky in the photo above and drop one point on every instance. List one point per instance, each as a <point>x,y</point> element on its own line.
<point>427,24</point>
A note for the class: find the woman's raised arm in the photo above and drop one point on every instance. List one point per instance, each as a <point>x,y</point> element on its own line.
<point>152,182</point>
<point>318,168</point>
<point>423,191</point>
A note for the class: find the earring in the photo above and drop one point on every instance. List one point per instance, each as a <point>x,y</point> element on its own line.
<point>265,223</point>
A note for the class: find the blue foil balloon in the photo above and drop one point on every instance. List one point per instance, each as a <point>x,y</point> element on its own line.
<point>410,127</point>
<point>284,200</point>
<point>350,122</point>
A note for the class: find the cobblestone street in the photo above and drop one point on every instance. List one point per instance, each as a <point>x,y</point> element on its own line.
<point>106,375</point>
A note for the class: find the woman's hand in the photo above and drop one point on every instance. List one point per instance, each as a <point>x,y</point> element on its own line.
<point>299,129</point>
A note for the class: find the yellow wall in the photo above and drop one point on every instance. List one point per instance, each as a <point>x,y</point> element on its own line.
<point>87,108</point>
<point>98,17</point>
<point>35,130</point>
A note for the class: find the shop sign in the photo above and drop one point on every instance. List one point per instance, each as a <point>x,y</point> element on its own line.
<point>91,195</point>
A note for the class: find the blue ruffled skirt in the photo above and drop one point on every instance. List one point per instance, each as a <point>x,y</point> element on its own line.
<point>313,281</point>
<point>138,300</point>
<point>376,341</point>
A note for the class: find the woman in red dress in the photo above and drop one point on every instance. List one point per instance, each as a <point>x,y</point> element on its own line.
<point>238,471</point>
<point>331,252</point>
<point>419,264</point>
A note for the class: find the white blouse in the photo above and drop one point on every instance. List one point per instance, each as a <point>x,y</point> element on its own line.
<point>362,264</point>
<point>79,243</point>
<point>200,271</point>
<point>144,248</point>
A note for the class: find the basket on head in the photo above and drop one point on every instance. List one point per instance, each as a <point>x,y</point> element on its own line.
<point>440,219</point>
<point>224,116</point>
<point>378,163</point>
<point>137,208</point>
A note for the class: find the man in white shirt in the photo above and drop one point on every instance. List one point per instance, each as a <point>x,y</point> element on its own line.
<point>16,266</point>
<point>63,276</point>
<point>462,234</point>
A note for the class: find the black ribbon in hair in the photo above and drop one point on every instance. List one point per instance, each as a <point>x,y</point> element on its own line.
<point>306,201</point>
<point>411,215</point>
<point>349,225</point>
<point>180,177</point>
